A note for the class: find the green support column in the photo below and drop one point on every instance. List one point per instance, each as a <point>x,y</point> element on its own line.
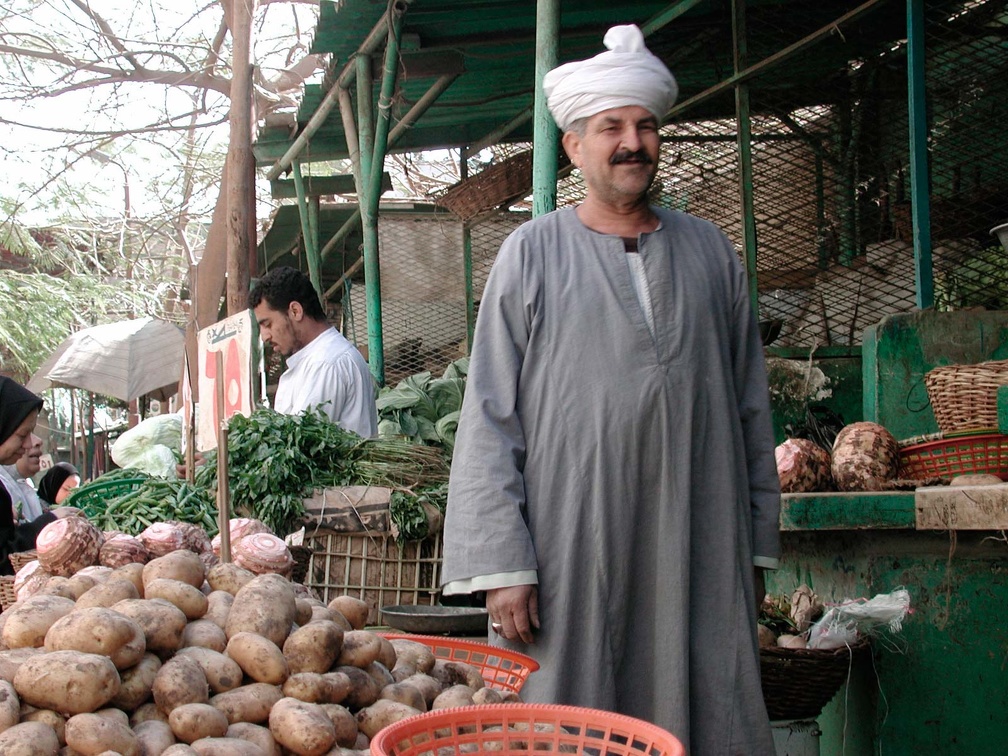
<point>365,120</point>
<point>371,175</point>
<point>919,179</point>
<point>467,271</point>
<point>744,129</point>
<point>308,233</point>
<point>545,136</point>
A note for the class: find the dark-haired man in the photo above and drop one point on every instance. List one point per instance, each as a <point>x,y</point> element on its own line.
<point>323,368</point>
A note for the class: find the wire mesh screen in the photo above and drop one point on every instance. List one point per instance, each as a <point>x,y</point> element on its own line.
<point>424,322</point>
<point>830,159</point>
<point>967,85</point>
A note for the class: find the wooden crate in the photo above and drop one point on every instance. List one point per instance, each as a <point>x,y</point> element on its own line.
<point>375,568</point>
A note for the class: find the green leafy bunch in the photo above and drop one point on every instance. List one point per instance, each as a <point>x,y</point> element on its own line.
<point>425,409</point>
<point>407,510</point>
<point>274,460</point>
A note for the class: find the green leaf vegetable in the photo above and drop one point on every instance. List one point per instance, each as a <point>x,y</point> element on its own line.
<point>276,460</point>
<point>425,409</point>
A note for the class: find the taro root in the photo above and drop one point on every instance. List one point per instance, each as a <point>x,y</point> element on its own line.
<point>865,457</point>
<point>162,538</point>
<point>803,466</point>
<point>122,549</point>
<point>68,544</point>
<point>239,527</point>
<point>196,539</point>
<point>30,579</point>
<point>263,552</point>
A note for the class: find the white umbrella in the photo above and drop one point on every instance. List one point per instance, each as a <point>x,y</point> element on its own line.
<point>124,360</point>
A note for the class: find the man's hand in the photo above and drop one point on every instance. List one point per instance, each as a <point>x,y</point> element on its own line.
<point>516,610</point>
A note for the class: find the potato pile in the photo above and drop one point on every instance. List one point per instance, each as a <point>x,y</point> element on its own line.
<point>171,657</point>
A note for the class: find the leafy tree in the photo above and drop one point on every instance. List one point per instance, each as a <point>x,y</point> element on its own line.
<point>113,129</point>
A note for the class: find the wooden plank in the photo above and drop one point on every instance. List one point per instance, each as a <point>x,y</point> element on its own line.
<point>848,511</point>
<point>962,508</point>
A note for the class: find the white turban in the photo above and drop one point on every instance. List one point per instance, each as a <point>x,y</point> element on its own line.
<point>626,74</point>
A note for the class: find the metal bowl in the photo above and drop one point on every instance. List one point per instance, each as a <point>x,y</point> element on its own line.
<point>437,620</point>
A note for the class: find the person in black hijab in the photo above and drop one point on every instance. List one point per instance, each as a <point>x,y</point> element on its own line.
<point>19,409</point>
<point>53,482</point>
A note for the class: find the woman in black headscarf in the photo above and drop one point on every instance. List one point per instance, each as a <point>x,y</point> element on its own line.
<point>57,483</point>
<point>19,409</point>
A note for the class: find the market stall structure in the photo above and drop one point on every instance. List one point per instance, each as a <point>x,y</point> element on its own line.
<point>853,152</point>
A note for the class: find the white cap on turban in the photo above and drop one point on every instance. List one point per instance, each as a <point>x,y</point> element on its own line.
<point>626,74</point>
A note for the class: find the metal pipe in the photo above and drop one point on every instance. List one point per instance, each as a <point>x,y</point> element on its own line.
<point>365,122</point>
<point>743,123</point>
<point>920,202</point>
<point>341,234</point>
<point>318,118</point>
<point>311,248</point>
<point>501,131</point>
<point>467,270</point>
<point>350,132</point>
<point>369,203</point>
<point>772,61</point>
<point>346,274</point>
<point>545,135</point>
<point>420,107</point>
<point>664,17</point>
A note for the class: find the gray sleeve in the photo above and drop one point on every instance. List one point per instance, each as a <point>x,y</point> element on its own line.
<point>485,530</point>
<point>757,425</point>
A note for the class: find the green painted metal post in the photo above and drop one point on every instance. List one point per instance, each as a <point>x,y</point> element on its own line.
<point>309,234</point>
<point>371,175</point>
<point>545,135</point>
<point>744,131</point>
<point>467,271</point>
<point>919,180</point>
<point>365,121</point>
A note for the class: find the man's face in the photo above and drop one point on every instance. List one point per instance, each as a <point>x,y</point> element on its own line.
<point>31,463</point>
<point>280,329</point>
<point>618,154</point>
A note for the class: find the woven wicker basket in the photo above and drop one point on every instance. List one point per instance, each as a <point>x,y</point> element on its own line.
<point>799,682</point>
<point>492,187</point>
<point>20,558</point>
<point>8,596</point>
<point>964,397</point>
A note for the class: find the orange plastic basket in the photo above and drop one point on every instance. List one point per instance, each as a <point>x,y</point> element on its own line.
<point>500,668</point>
<point>526,729</point>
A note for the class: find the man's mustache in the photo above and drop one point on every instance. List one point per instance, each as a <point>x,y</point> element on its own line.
<point>626,156</point>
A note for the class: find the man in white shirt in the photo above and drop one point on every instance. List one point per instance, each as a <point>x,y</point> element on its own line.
<point>323,368</point>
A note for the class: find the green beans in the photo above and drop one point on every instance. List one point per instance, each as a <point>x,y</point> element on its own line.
<point>153,500</point>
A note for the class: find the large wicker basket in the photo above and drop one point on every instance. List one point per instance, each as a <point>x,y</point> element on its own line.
<point>8,596</point>
<point>496,185</point>
<point>964,397</point>
<point>799,682</point>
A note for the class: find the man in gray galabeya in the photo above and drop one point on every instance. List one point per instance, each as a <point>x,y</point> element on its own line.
<point>613,488</point>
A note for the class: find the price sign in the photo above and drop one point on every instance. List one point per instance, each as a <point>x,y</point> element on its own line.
<point>232,338</point>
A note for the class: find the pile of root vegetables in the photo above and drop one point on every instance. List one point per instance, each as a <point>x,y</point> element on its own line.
<point>174,657</point>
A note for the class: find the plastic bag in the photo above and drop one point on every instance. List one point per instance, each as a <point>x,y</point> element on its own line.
<point>151,445</point>
<point>843,624</point>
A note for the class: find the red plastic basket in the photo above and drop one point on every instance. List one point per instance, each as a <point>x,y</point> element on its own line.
<point>526,729</point>
<point>500,668</point>
<point>959,455</point>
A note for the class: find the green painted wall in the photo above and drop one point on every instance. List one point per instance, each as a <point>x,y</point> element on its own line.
<point>844,372</point>
<point>941,685</point>
<point>898,352</point>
